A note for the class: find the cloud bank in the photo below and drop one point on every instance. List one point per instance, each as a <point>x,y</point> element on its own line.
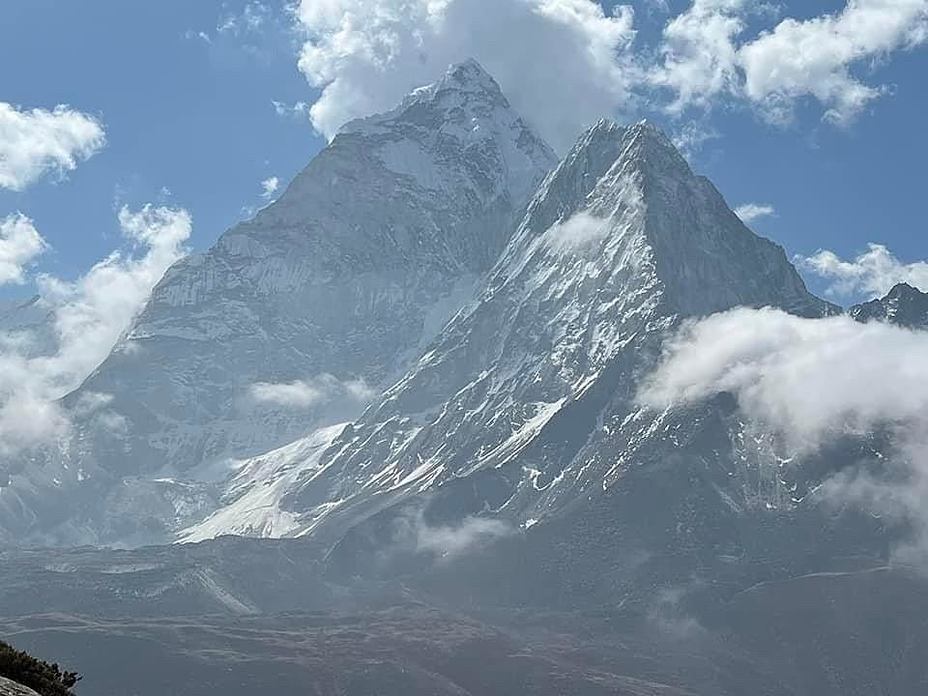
<point>873,273</point>
<point>87,317</point>
<point>310,393</point>
<point>38,142</point>
<point>809,381</point>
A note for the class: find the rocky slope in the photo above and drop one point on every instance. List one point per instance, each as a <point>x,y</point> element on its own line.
<point>293,320</point>
<point>904,305</point>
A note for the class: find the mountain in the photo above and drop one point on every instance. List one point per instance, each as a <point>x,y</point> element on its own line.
<point>904,305</point>
<point>30,324</point>
<point>11,688</point>
<point>528,395</point>
<point>507,517</point>
<point>293,320</point>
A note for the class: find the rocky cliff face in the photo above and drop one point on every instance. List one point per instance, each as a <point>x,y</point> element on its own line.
<point>904,305</point>
<point>294,319</point>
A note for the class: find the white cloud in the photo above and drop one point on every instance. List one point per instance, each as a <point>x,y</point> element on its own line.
<point>88,316</point>
<point>562,63</point>
<point>253,17</point>
<point>296,394</point>
<point>36,142</point>
<point>873,273</point>
<point>705,55</point>
<point>691,136</point>
<point>749,212</point>
<point>310,393</point>
<point>190,35</point>
<point>810,381</point>
<point>269,187</point>
<point>448,541</point>
<point>815,57</point>
<point>700,58</point>
<point>579,232</point>
<point>20,243</point>
<point>445,542</point>
<point>807,378</point>
<point>298,109</point>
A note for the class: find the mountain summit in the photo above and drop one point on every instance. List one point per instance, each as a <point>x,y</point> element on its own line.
<point>903,305</point>
<point>293,320</point>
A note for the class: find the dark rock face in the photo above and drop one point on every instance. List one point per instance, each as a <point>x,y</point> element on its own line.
<point>904,305</point>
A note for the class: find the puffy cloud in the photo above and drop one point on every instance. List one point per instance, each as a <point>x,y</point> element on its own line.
<point>700,58</point>
<point>310,393</point>
<point>705,55</point>
<point>809,381</point>
<point>872,273</point>
<point>749,212</point>
<point>269,187</point>
<point>88,316</point>
<point>36,142</point>
<point>20,243</point>
<point>814,57</point>
<point>562,63</point>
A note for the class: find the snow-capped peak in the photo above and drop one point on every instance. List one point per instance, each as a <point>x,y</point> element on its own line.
<point>361,260</point>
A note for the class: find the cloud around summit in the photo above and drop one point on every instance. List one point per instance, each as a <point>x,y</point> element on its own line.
<point>565,63</point>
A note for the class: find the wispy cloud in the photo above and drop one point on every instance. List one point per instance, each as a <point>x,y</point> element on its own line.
<point>577,233</point>
<point>298,109</point>
<point>445,542</point>
<point>749,212</point>
<point>310,393</point>
<point>253,17</point>
<point>269,187</point>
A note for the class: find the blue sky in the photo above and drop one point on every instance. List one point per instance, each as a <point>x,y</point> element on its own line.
<point>185,92</point>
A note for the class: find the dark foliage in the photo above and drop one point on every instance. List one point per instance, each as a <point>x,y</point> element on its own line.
<point>46,679</point>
